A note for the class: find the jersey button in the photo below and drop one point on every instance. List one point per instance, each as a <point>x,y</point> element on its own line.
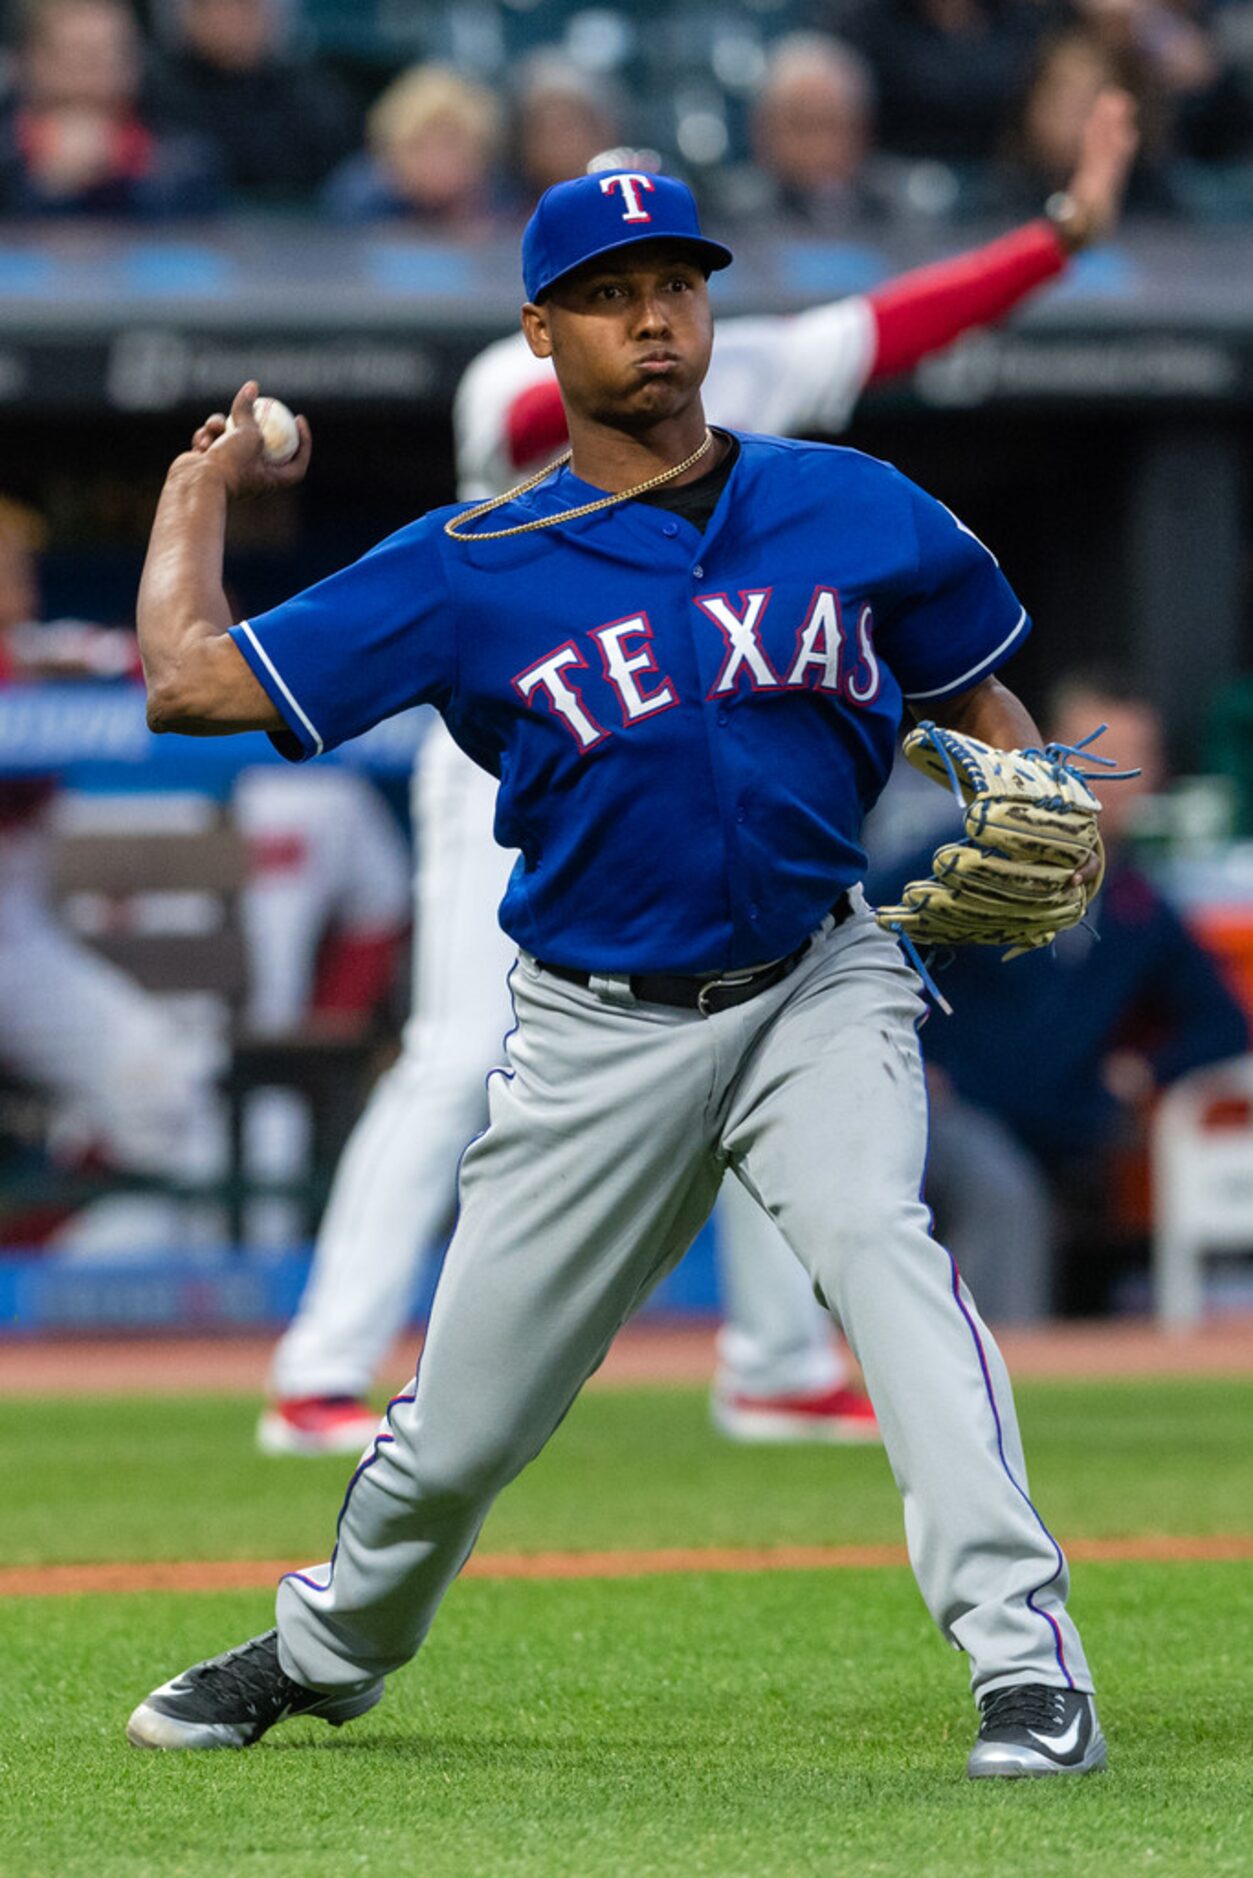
<point>752,912</point>
<point>722,720</point>
<point>698,573</point>
<point>671,528</point>
<point>741,815</point>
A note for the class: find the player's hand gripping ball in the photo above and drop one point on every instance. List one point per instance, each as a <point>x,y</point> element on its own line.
<point>1031,861</point>
<point>280,439</point>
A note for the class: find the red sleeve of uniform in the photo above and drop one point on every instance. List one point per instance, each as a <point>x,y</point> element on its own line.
<point>355,971</point>
<point>922,311</point>
<point>535,425</point>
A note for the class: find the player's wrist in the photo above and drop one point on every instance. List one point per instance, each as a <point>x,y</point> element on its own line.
<point>196,466</point>
<point>199,470</point>
<point>1074,221</point>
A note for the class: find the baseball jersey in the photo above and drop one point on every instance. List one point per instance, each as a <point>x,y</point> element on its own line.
<point>687,727</point>
<point>772,373</point>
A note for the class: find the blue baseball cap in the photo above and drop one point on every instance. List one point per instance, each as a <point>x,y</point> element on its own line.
<point>591,215</point>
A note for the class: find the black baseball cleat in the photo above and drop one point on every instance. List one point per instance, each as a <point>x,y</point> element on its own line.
<point>1032,1729</point>
<point>229,1701</point>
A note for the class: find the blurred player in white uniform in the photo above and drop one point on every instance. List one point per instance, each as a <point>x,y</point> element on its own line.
<point>781,1375</point>
<point>128,1085</point>
<point>327,906</point>
<point>328,901</point>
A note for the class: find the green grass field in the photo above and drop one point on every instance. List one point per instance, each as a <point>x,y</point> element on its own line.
<point>772,1724</point>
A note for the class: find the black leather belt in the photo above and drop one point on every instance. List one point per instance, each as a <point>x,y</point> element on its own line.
<point>707,995</point>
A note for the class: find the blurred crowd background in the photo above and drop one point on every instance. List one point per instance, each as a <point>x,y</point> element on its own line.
<point>842,114</point>
<point>238,936</point>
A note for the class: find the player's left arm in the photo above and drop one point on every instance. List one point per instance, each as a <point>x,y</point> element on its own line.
<point>995,715</point>
<point>989,711</point>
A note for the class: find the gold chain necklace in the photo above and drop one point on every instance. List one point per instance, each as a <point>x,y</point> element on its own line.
<point>454,527</point>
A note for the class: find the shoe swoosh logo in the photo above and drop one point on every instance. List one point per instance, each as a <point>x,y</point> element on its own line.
<point>1060,1744</point>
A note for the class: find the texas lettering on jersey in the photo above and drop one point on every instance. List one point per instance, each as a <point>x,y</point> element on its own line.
<point>765,665</point>
<point>826,656</point>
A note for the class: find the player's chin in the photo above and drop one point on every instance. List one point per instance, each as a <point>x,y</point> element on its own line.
<point>652,400</point>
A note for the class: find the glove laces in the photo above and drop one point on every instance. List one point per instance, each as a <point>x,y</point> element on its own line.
<point>922,967</point>
<point>1065,756</point>
<point>1059,753</point>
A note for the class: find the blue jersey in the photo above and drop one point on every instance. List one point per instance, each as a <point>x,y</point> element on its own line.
<point>688,728</point>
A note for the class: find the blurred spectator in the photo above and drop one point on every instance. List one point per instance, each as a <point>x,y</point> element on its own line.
<point>431,145</point>
<point>812,134</point>
<point>1177,47</point>
<point>1040,150</point>
<point>563,116</point>
<point>75,142</point>
<point>944,69</point>
<point>280,124</point>
<point>1048,1061</point>
<point>128,1085</point>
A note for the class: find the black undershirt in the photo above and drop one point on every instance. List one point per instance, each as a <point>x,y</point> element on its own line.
<point>696,502</point>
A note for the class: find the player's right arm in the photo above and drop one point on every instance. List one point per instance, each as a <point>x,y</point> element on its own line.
<point>198,681</point>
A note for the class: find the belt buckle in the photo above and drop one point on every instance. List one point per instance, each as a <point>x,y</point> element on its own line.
<point>729,979</point>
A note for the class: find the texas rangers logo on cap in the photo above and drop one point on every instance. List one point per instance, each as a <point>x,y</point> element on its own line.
<point>578,220</point>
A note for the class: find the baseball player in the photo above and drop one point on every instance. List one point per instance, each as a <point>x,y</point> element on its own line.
<point>129,1083</point>
<point>683,654</point>
<point>780,1375</point>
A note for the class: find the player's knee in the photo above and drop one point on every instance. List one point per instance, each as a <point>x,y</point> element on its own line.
<point>466,1476</point>
<point>864,1230</point>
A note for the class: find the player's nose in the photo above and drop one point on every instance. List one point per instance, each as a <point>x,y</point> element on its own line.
<point>652,318</point>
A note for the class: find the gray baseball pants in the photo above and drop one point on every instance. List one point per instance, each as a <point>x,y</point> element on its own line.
<point>611,1127</point>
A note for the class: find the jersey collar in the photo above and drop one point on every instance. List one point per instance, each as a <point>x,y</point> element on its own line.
<point>566,490</point>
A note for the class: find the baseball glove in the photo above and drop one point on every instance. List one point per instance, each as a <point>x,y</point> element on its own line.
<point>1031,823</point>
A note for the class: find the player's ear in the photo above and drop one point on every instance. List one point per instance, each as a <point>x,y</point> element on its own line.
<point>535,326</point>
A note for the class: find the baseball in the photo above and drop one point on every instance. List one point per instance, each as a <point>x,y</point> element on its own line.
<point>278,429</point>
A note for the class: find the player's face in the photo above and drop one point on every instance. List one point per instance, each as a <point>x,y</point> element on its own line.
<point>630,335</point>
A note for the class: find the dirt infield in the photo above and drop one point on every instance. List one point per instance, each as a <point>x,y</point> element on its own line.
<point>644,1354</point>
<point>35,1581</point>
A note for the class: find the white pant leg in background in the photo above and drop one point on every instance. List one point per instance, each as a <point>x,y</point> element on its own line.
<point>326,857</point>
<point>395,1188</point>
<point>775,1338</point>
